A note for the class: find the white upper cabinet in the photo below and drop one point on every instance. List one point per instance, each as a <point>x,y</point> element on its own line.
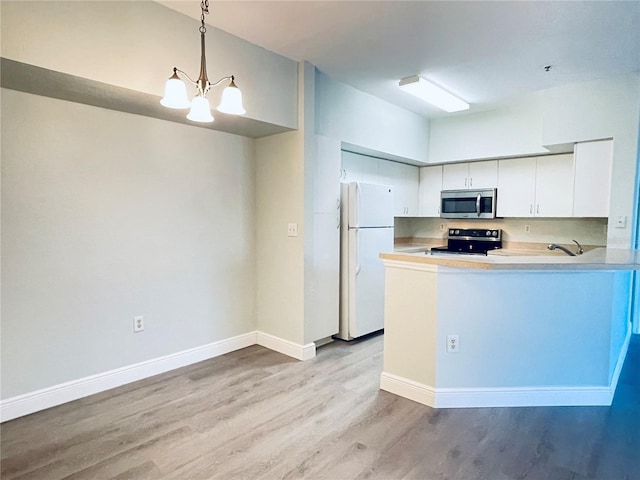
<point>516,187</point>
<point>352,165</point>
<point>483,174</point>
<point>455,176</point>
<point>371,170</point>
<point>554,186</point>
<point>404,179</point>
<point>593,162</point>
<point>430,187</point>
<point>536,187</point>
<point>360,168</point>
<point>460,176</point>
<point>412,190</point>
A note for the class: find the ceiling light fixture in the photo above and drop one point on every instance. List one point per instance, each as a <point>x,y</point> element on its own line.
<point>175,91</point>
<point>430,93</point>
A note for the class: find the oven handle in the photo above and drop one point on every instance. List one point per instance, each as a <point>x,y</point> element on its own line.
<point>478,204</point>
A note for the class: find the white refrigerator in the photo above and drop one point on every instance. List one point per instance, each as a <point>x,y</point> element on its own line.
<point>366,231</point>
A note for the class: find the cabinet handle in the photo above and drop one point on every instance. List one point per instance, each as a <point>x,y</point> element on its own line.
<point>471,182</point>
<point>538,208</point>
<point>465,182</point>
<point>338,222</point>
<point>531,208</point>
<point>338,204</point>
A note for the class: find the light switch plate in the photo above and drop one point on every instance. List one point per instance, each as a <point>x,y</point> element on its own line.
<point>292,230</point>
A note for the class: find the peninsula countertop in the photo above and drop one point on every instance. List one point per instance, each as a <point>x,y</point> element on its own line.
<point>597,259</point>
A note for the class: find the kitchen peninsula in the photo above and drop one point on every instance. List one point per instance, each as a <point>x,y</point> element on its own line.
<point>506,330</point>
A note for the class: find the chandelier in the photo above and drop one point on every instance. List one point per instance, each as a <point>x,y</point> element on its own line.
<point>175,91</point>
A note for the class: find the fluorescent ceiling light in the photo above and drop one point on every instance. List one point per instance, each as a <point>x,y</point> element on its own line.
<point>430,93</point>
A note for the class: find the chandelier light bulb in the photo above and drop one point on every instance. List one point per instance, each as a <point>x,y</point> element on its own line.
<point>175,93</point>
<point>231,100</point>
<point>200,110</point>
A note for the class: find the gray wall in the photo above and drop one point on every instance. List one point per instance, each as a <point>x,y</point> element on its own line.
<point>105,216</point>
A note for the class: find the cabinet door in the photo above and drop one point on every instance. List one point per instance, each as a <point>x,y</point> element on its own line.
<point>352,167</point>
<point>455,176</point>
<point>411,188</point>
<point>371,170</point>
<point>554,186</point>
<point>483,174</point>
<point>592,181</point>
<point>430,187</point>
<point>392,173</point>
<point>516,187</point>
<point>327,176</point>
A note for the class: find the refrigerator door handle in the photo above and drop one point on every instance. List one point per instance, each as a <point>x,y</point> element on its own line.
<point>357,255</point>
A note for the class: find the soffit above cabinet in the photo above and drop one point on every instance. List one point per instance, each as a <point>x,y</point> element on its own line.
<point>49,83</point>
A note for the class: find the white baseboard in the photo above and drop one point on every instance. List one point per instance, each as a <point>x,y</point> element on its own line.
<point>496,397</point>
<point>300,352</point>
<point>620,362</point>
<point>32,402</point>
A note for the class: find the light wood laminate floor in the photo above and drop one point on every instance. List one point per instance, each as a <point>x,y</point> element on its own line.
<point>257,414</point>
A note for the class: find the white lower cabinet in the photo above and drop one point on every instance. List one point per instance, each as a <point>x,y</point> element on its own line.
<point>430,187</point>
<point>536,187</point>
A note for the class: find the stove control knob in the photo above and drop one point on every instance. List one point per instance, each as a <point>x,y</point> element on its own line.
<point>495,233</point>
<point>451,231</point>
<point>457,232</point>
<point>488,233</point>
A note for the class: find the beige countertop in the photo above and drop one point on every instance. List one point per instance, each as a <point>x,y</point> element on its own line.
<point>597,259</point>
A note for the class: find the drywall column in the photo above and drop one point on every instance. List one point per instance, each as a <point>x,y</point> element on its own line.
<point>280,197</point>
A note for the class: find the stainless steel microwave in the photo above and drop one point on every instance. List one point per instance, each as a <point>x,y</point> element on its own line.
<point>468,203</point>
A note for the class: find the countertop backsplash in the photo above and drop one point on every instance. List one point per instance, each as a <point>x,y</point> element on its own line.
<point>587,231</point>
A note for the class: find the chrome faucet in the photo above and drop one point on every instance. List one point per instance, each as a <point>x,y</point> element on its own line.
<point>579,250</point>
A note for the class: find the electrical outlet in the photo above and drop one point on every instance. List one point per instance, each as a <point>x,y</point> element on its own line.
<point>138,324</point>
<point>292,230</point>
<point>527,229</point>
<point>620,221</point>
<point>453,344</point>
<point>442,227</point>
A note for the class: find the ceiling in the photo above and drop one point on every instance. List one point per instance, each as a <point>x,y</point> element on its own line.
<point>484,52</point>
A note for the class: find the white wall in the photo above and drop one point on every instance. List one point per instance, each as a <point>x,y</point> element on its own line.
<point>608,108</point>
<point>511,130</point>
<point>360,119</point>
<point>107,215</point>
<point>136,44</point>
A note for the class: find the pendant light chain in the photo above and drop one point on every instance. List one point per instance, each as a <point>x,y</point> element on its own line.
<point>204,5</point>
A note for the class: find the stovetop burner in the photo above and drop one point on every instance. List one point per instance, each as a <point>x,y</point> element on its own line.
<point>445,249</point>
<point>470,241</point>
